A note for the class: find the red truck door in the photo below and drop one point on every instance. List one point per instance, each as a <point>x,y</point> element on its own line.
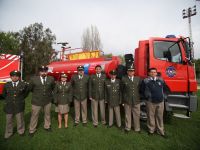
<point>167,55</point>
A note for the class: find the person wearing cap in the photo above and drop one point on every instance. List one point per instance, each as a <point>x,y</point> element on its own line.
<point>41,87</point>
<point>155,90</point>
<point>131,100</point>
<point>97,95</point>
<point>14,93</point>
<point>113,98</point>
<point>80,87</point>
<point>63,98</point>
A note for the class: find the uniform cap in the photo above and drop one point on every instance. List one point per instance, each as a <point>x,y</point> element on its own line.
<point>131,68</point>
<point>63,75</point>
<point>113,72</point>
<point>80,68</point>
<point>15,73</point>
<point>43,68</point>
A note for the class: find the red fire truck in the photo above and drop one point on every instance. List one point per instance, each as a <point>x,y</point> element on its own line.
<point>8,63</point>
<point>171,56</point>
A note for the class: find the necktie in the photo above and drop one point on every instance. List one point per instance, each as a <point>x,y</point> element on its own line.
<point>14,85</point>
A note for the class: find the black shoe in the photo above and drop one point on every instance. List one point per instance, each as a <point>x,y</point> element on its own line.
<point>164,136</point>
<point>49,130</point>
<point>126,131</point>
<point>139,132</point>
<point>109,126</point>
<point>84,124</point>
<point>75,124</point>
<point>104,124</point>
<point>95,126</point>
<point>120,128</point>
<point>23,134</point>
<point>31,134</point>
<point>150,134</point>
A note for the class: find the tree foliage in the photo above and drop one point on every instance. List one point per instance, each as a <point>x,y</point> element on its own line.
<point>91,39</point>
<point>197,67</point>
<point>9,43</point>
<point>36,44</point>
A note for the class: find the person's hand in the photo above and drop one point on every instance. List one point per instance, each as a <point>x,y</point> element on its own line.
<point>91,98</point>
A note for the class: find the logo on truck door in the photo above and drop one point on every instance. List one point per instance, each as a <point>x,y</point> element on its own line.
<point>171,71</point>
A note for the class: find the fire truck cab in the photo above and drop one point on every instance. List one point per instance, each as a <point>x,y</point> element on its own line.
<point>173,59</point>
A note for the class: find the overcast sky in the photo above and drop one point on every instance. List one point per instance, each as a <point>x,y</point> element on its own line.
<point>121,23</point>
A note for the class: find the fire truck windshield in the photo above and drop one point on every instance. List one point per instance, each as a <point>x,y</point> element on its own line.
<point>168,51</point>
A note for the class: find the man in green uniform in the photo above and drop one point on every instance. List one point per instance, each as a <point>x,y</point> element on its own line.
<point>80,95</point>
<point>113,97</point>
<point>131,99</point>
<point>42,87</point>
<point>14,93</point>
<point>96,95</point>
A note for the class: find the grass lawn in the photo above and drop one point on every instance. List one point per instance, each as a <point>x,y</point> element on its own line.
<point>184,134</point>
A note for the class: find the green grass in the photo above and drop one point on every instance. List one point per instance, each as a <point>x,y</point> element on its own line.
<point>184,134</point>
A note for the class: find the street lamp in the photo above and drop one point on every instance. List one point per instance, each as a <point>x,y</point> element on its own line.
<point>188,13</point>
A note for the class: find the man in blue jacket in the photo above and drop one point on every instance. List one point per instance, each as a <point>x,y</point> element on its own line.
<point>154,92</point>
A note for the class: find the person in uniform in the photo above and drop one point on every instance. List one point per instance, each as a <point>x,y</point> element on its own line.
<point>63,98</point>
<point>154,91</point>
<point>15,93</point>
<point>97,95</point>
<point>42,95</point>
<point>80,87</point>
<point>131,100</point>
<point>113,98</point>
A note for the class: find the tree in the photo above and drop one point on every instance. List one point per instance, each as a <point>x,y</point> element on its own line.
<point>197,67</point>
<point>9,43</point>
<point>36,44</point>
<point>91,39</point>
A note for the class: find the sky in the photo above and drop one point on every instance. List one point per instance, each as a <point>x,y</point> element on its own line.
<point>121,23</point>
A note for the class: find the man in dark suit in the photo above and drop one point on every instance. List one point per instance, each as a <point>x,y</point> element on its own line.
<point>131,99</point>
<point>15,93</point>
<point>42,87</point>
<point>97,95</point>
<point>80,95</point>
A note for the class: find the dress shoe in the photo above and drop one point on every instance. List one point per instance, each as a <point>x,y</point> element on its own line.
<point>84,124</point>
<point>31,134</point>
<point>49,130</point>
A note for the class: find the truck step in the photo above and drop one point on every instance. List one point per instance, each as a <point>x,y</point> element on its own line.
<point>180,116</point>
<point>178,106</point>
<point>178,96</point>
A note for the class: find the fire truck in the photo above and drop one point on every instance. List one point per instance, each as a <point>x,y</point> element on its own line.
<point>171,56</point>
<point>8,63</point>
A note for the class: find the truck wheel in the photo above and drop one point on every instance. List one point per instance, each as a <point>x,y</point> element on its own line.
<point>188,113</point>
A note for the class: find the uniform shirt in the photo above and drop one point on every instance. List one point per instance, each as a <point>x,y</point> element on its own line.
<point>80,87</point>
<point>15,97</point>
<point>113,92</point>
<point>43,79</point>
<point>96,86</point>
<point>15,83</point>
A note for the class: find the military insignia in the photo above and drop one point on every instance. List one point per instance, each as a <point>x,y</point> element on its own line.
<point>171,71</point>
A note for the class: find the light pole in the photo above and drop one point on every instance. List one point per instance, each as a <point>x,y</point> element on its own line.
<point>188,13</point>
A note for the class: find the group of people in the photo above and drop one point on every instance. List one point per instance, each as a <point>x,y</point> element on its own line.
<point>97,88</point>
